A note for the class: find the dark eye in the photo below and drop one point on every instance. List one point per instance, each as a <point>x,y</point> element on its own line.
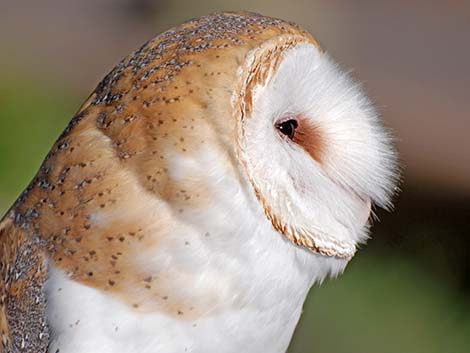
<point>288,128</point>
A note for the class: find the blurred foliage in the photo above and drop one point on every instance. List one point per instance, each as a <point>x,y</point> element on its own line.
<point>31,118</point>
<point>383,303</point>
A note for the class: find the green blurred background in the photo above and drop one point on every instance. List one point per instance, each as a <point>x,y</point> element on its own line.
<point>408,290</point>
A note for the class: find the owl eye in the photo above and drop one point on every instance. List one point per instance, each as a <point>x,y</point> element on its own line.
<point>288,128</point>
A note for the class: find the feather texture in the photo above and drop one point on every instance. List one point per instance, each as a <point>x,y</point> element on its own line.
<point>171,215</point>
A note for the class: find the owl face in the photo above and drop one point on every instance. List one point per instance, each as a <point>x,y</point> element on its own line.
<point>314,151</point>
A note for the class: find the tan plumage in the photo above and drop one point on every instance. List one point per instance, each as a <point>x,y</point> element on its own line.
<point>109,157</point>
<point>104,194</point>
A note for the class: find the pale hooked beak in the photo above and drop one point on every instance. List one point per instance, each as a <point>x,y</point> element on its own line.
<point>365,213</point>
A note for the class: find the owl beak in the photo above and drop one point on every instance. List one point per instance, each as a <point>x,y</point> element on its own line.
<point>365,212</point>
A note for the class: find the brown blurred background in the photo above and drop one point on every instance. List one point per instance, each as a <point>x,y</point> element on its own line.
<point>409,289</point>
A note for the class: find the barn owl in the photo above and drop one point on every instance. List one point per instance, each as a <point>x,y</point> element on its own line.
<point>208,182</point>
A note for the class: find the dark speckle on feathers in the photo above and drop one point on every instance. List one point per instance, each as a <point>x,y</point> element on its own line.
<point>22,301</point>
<point>170,50</point>
<point>49,217</point>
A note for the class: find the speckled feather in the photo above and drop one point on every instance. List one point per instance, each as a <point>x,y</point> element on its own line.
<point>175,214</point>
<point>109,157</point>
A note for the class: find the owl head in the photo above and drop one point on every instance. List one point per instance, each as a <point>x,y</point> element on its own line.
<point>311,145</point>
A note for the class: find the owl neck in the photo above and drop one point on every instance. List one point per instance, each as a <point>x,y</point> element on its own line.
<point>259,315</point>
<point>224,281</point>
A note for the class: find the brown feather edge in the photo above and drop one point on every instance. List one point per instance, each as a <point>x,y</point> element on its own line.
<point>23,272</point>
